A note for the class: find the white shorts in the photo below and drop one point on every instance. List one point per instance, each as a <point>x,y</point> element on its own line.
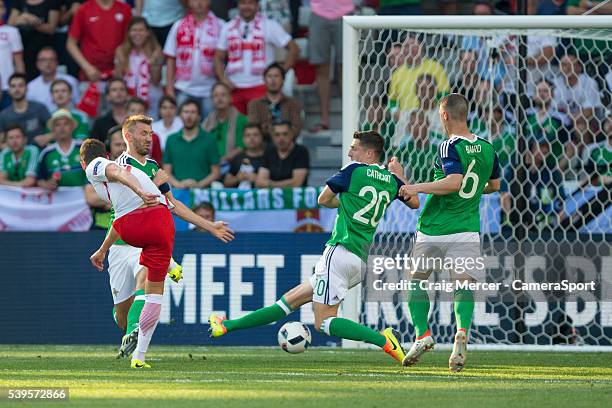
<point>335,273</point>
<point>123,265</point>
<point>457,249</point>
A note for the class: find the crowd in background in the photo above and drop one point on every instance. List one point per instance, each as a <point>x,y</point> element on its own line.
<point>218,76</point>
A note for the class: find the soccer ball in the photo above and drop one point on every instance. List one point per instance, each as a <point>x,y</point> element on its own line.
<point>294,337</point>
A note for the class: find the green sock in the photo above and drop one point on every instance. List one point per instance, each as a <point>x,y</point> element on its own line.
<point>464,308</point>
<point>134,313</point>
<point>348,329</point>
<point>260,317</point>
<point>418,306</point>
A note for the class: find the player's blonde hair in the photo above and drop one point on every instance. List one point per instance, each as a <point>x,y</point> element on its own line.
<point>131,121</point>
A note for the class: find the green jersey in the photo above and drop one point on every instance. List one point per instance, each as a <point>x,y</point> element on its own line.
<point>459,212</point>
<point>149,167</point>
<point>365,192</point>
<point>62,166</point>
<point>17,169</point>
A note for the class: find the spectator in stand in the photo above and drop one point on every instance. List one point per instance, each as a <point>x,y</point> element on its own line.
<point>117,97</point>
<point>584,137</point>
<point>39,89</point>
<point>206,211</point>
<point>417,150</point>
<point>191,158</point>
<point>402,91</point>
<point>244,167</point>
<point>426,90</point>
<point>576,93</point>
<point>59,163</point>
<point>225,124</point>
<point>285,163</point>
<point>31,116</point>
<point>61,93</point>
<point>275,106</point>
<point>68,9</point>
<point>137,106</point>
<point>168,122</point>
<point>11,56</point>
<point>545,193</point>
<point>499,132</point>
<point>325,29</point>
<point>37,21</point>
<point>378,119</point>
<point>599,157</point>
<point>139,60</point>
<point>545,122</point>
<point>248,42</point>
<point>97,29</point>
<point>18,160</point>
<point>101,209</point>
<point>469,78</point>
<point>190,48</point>
<point>160,14</point>
<point>483,96</point>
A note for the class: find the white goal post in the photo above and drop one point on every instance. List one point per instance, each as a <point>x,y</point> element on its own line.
<point>509,83</point>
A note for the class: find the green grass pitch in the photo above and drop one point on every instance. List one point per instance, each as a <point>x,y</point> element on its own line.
<point>321,377</point>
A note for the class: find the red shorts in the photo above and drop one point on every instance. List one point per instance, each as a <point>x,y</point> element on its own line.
<point>242,96</point>
<point>152,229</point>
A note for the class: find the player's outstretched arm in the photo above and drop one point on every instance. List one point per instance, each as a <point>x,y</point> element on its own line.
<point>97,259</point>
<point>328,198</point>
<point>115,173</point>
<point>492,186</point>
<point>447,185</point>
<point>218,229</point>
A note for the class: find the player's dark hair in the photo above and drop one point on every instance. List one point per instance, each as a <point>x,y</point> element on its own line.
<point>60,81</point>
<point>275,65</point>
<point>92,149</point>
<point>456,105</point>
<point>371,139</point>
<point>14,126</point>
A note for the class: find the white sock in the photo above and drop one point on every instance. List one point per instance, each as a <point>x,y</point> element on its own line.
<point>147,324</point>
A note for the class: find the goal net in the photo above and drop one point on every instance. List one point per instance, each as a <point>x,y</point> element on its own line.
<point>541,94</point>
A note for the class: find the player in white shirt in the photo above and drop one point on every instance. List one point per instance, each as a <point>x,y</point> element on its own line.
<point>143,220</point>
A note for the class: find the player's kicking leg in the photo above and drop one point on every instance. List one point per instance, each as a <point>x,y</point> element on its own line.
<point>337,271</point>
<point>289,302</point>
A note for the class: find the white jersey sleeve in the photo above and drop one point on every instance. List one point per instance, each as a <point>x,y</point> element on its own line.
<point>96,170</point>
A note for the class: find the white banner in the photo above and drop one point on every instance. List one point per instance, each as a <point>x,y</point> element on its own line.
<point>36,209</point>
